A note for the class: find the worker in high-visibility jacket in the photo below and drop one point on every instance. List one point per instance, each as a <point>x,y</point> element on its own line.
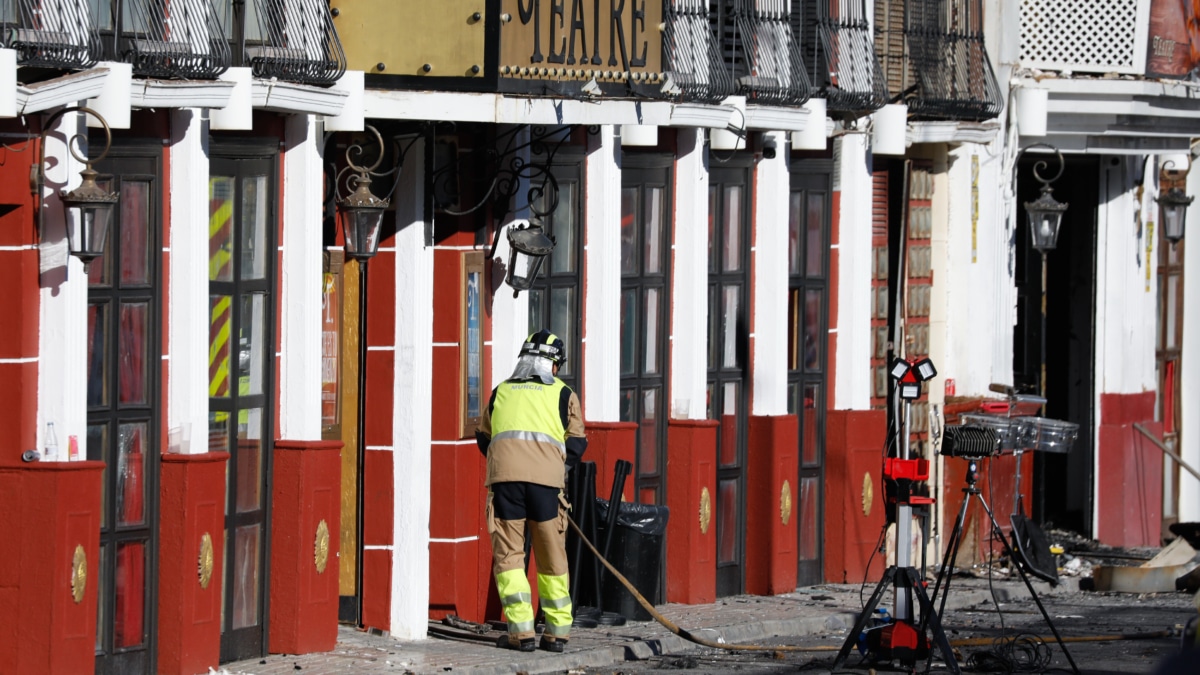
<point>531,432</point>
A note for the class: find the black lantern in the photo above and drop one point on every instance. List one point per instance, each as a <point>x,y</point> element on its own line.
<point>1045,213</point>
<point>1173,202</point>
<point>363,211</point>
<point>87,236</point>
<point>529,246</point>
<point>86,239</point>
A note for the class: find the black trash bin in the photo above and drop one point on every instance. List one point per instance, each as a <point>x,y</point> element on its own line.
<point>636,550</point>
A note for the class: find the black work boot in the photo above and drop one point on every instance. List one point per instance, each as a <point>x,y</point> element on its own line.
<point>552,645</point>
<point>526,645</point>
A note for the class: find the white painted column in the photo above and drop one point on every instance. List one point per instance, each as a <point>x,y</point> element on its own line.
<point>413,408</point>
<point>602,278</point>
<point>510,315</point>
<point>300,339</point>
<point>974,321</point>
<point>852,388</point>
<point>1124,360</point>
<point>1189,433</point>
<point>187,305</point>
<point>689,279</point>
<point>772,192</point>
<point>62,338</point>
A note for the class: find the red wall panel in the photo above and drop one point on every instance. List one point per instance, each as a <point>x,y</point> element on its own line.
<point>305,533</point>
<point>43,628</point>
<point>1130,469</point>
<point>189,613</point>
<point>691,498</point>
<point>607,443</point>
<point>854,494</point>
<point>772,478</point>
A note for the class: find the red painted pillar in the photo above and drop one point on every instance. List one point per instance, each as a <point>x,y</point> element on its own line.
<point>48,571</point>
<point>607,443</point>
<point>691,498</point>
<point>191,548</point>
<point>305,519</point>
<point>772,475</point>
<point>854,494</point>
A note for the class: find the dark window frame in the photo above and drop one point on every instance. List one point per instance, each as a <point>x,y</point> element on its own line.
<point>640,171</point>
<point>129,162</point>
<point>238,160</point>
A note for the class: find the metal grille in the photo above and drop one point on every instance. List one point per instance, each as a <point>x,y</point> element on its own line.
<point>294,40</point>
<point>835,38</point>
<point>174,38</point>
<point>945,42</point>
<point>691,58</point>
<point>760,50</point>
<point>50,33</point>
<point>1080,35</point>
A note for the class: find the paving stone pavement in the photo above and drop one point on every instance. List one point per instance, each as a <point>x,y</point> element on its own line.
<point>828,610</point>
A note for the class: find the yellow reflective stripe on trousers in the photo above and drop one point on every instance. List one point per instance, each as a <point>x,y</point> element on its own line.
<point>555,593</point>
<point>532,436</point>
<point>515,594</point>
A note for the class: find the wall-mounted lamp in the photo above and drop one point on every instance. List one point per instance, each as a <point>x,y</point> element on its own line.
<point>86,238</point>
<point>1045,213</point>
<point>1173,201</point>
<point>528,246</point>
<point>362,210</point>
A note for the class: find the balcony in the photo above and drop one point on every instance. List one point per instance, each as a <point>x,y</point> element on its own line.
<point>291,40</point>
<point>935,60</point>
<point>49,34</point>
<point>170,39</point>
<point>760,50</point>
<point>691,58</point>
<point>1086,36</point>
<point>836,38</point>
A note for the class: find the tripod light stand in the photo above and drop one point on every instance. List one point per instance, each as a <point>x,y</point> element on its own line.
<point>973,444</point>
<point>901,639</point>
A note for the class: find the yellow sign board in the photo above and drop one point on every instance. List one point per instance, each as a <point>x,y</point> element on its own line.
<point>431,39</point>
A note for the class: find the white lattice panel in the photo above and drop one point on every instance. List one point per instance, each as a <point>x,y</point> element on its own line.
<point>1093,36</point>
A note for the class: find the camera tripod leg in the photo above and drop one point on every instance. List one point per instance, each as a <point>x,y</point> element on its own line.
<point>999,534</point>
<point>951,557</point>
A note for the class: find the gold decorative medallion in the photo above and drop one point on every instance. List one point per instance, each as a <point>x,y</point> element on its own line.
<point>705,510</point>
<point>785,503</point>
<point>868,494</point>
<point>78,573</point>
<point>321,546</point>
<point>204,563</point>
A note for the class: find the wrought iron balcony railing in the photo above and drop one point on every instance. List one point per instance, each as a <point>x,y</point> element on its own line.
<point>836,38</point>
<point>690,56</point>
<point>760,50</point>
<point>164,38</point>
<point>293,40</point>
<point>50,33</point>
<point>945,42</point>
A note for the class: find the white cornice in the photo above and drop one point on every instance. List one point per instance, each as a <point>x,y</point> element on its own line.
<point>181,93</point>
<point>952,132</point>
<point>701,115</point>
<point>59,91</point>
<point>290,97</point>
<point>772,118</point>
<point>500,109</point>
